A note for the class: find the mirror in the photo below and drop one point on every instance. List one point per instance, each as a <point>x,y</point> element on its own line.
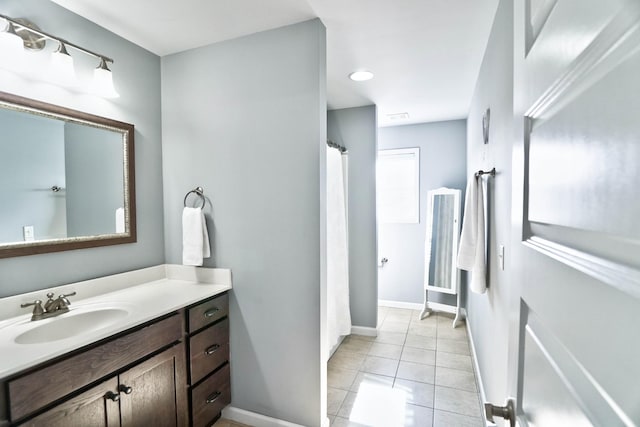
<point>67,179</point>
<point>443,233</point>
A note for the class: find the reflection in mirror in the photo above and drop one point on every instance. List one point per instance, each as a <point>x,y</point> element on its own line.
<point>441,266</point>
<point>443,231</point>
<point>67,179</point>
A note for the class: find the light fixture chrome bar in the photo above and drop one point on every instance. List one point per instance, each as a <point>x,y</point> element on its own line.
<point>54,38</point>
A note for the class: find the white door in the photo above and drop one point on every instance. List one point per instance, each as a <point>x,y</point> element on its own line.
<point>400,233</point>
<point>575,342</point>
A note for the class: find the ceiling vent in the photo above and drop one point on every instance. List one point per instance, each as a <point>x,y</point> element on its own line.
<point>398,116</point>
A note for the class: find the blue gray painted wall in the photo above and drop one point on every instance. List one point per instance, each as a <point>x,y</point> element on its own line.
<point>246,120</point>
<point>356,129</point>
<point>94,182</point>
<point>136,75</point>
<point>442,164</point>
<point>488,314</point>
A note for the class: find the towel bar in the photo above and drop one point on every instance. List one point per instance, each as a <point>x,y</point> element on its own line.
<point>200,192</point>
<point>492,172</point>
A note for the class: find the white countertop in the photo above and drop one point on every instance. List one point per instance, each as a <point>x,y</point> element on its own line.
<point>145,294</point>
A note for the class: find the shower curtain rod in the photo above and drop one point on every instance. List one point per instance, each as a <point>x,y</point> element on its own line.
<point>340,148</point>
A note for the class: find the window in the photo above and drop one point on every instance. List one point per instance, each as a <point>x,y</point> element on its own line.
<point>398,186</point>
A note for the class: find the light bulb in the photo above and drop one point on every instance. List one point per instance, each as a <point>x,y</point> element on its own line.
<point>103,81</point>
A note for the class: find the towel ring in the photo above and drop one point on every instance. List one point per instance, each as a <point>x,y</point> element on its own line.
<point>200,192</point>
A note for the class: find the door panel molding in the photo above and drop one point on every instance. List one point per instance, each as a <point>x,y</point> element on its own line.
<point>578,399</point>
<point>609,247</point>
<point>621,277</point>
<point>607,51</point>
<point>562,217</point>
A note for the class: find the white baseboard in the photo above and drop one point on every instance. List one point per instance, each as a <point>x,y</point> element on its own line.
<point>364,330</point>
<point>476,368</point>
<point>257,420</point>
<point>399,304</point>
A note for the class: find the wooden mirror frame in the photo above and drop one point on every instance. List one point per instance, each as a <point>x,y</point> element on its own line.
<point>15,249</point>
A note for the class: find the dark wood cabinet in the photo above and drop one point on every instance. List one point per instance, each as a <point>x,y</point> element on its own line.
<point>149,394</point>
<point>209,370</point>
<point>153,392</point>
<point>92,408</point>
<point>173,372</point>
<point>38,388</point>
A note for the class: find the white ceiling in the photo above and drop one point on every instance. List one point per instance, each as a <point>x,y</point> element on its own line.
<point>425,54</point>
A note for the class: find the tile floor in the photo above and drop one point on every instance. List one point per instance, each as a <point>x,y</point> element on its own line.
<point>227,423</point>
<point>415,373</point>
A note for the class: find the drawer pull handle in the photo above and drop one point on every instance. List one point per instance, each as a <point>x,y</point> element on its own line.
<point>211,312</point>
<point>213,397</point>
<point>125,389</point>
<point>112,396</point>
<point>209,351</point>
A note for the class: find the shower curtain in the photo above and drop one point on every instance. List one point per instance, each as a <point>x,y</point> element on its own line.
<point>338,314</point>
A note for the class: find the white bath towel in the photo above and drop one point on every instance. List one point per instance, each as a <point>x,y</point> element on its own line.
<point>195,238</point>
<point>471,253</point>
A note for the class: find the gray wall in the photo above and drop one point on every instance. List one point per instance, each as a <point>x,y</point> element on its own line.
<point>488,313</point>
<point>356,129</point>
<point>442,164</point>
<point>95,181</point>
<point>246,120</point>
<point>31,162</point>
<point>137,78</point>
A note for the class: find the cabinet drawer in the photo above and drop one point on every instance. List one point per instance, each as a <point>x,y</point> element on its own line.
<point>208,312</point>
<point>40,387</point>
<point>208,350</point>
<point>210,397</point>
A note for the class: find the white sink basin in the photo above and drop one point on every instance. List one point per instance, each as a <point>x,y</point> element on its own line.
<point>70,324</point>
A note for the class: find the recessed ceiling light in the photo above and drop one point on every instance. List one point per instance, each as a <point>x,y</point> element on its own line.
<point>361,76</point>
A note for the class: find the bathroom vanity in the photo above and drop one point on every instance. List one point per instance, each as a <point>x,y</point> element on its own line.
<point>147,347</point>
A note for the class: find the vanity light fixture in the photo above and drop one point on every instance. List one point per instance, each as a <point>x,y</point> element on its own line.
<point>361,76</point>
<point>21,34</point>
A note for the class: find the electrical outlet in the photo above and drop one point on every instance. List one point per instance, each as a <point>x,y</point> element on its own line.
<point>28,233</point>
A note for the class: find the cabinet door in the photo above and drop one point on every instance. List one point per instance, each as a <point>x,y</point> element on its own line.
<point>153,393</point>
<point>92,408</point>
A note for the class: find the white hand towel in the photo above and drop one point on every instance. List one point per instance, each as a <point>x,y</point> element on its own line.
<point>120,226</point>
<point>195,238</point>
<point>471,253</point>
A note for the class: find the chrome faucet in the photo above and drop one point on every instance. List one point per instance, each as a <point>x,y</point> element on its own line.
<point>53,307</point>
